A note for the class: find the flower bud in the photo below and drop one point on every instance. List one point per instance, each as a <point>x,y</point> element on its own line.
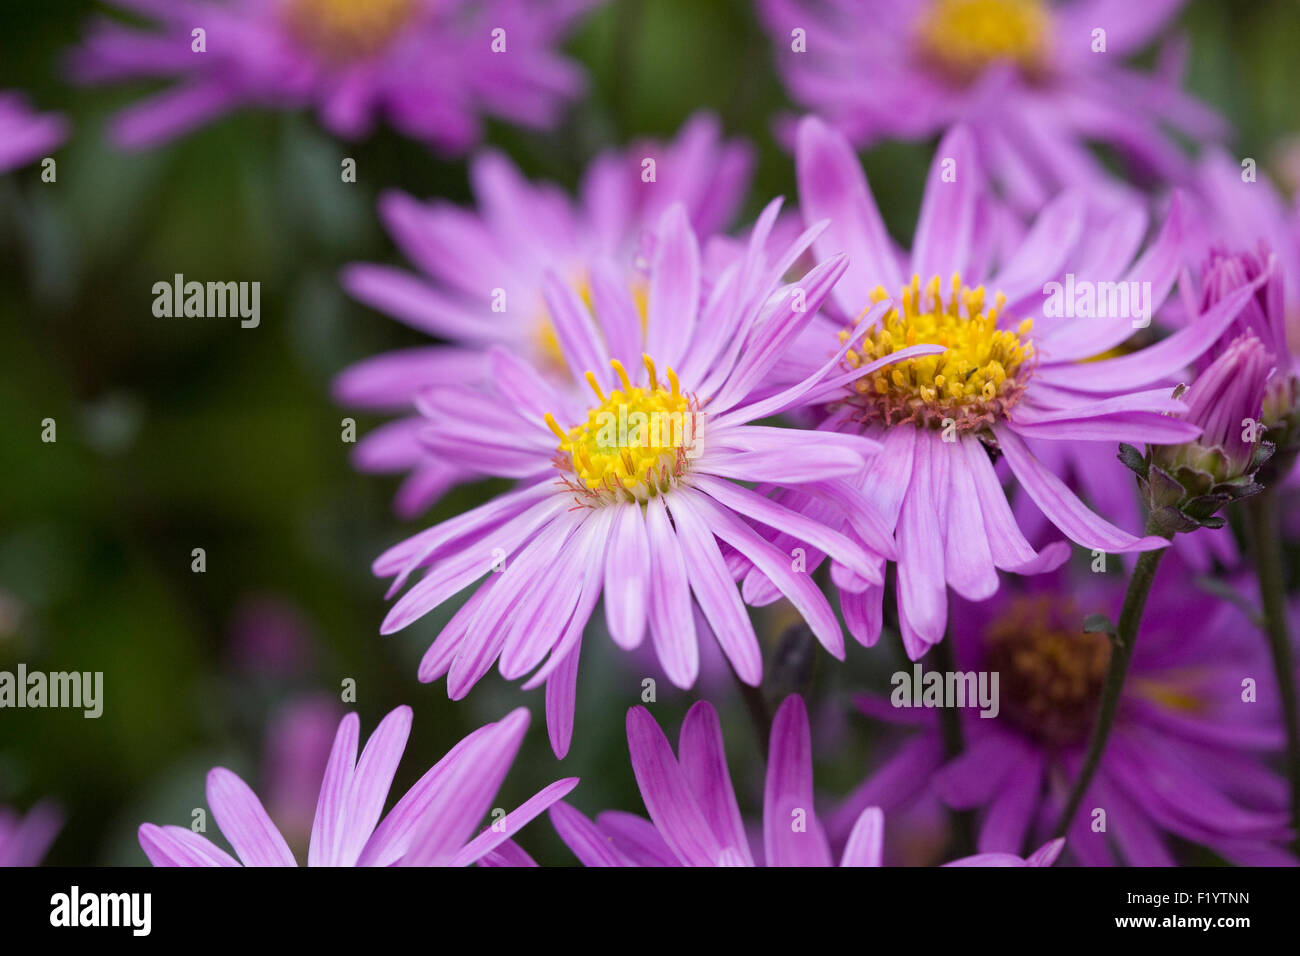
<point>1264,315</point>
<point>1185,485</point>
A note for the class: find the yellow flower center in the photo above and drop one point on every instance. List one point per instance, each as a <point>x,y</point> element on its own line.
<point>963,37</point>
<point>634,444</point>
<point>1050,672</point>
<point>344,30</point>
<point>982,374</point>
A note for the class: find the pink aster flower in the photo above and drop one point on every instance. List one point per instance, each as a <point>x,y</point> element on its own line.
<point>24,134</point>
<point>1252,235</point>
<point>1245,215</point>
<point>1224,271</point>
<point>433,824</point>
<point>25,838</point>
<point>1037,82</point>
<point>1188,755</point>
<point>481,276</point>
<point>1222,401</point>
<point>1012,378</point>
<point>431,68</point>
<point>695,819</point>
<point>635,491</point>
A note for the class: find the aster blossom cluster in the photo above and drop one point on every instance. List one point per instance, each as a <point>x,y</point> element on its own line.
<point>965,493</point>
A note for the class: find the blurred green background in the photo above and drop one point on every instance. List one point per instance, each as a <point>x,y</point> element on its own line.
<point>182,433</point>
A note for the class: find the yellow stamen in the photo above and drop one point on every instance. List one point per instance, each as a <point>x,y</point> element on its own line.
<point>981,375</point>
<point>650,367</point>
<point>634,443</point>
<point>622,374</point>
<point>555,427</point>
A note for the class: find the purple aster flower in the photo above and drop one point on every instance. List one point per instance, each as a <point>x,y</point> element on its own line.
<point>483,274</point>
<point>1187,754</point>
<point>694,817</point>
<point>634,491</point>
<point>431,825</point>
<point>431,68</point>
<point>1014,374</point>
<point>1186,485</point>
<point>25,838</point>
<point>1223,272</point>
<point>1225,401</point>
<point>1247,217</point>
<point>1263,243</point>
<point>1036,82</point>
<point>25,134</point>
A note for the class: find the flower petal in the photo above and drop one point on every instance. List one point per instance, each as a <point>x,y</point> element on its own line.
<point>866,843</point>
<point>947,221</point>
<point>243,821</point>
<point>792,834</point>
<point>669,800</point>
<point>1062,507</point>
<point>178,846</point>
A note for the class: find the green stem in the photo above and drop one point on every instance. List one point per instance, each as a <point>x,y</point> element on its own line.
<point>1266,555</point>
<point>759,715</point>
<point>963,821</point>
<point>1121,654</point>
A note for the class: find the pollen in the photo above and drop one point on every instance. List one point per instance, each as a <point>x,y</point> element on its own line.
<point>982,373</point>
<point>637,440</point>
<point>347,30</point>
<point>1051,670</point>
<point>963,37</point>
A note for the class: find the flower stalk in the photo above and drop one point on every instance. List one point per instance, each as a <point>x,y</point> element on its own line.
<point>1266,556</point>
<point>1123,639</point>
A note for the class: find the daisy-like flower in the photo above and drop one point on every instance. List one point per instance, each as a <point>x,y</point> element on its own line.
<point>1011,375</point>
<point>695,819</point>
<point>1187,754</point>
<point>634,491</point>
<point>1036,81</point>
<point>431,68</point>
<point>482,273</point>
<point>24,133</point>
<point>25,838</point>
<point>433,824</point>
